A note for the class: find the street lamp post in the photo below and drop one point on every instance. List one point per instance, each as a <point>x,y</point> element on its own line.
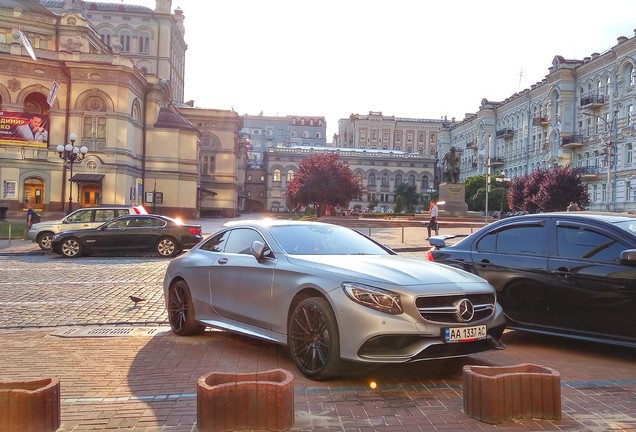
<point>504,181</point>
<point>71,154</point>
<point>608,148</point>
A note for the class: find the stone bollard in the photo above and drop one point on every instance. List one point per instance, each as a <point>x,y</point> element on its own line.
<point>30,405</point>
<point>260,400</point>
<point>494,394</point>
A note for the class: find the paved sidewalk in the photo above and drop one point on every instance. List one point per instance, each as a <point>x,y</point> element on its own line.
<point>141,377</point>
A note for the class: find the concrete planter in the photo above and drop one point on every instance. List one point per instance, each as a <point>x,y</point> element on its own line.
<point>30,405</point>
<point>261,400</point>
<point>494,394</point>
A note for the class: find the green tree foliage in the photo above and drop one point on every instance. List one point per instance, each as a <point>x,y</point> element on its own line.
<point>321,181</point>
<point>548,189</point>
<point>475,192</point>
<point>398,204</point>
<point>409,196</point>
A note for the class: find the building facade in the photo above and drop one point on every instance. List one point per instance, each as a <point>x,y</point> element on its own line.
<point>379,172</point>
<point>581,114</point>
<point>139,147</point>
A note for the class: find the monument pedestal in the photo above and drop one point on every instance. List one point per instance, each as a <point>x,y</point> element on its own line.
<point>454,197</point>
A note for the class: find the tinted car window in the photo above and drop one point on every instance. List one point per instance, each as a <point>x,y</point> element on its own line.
<point>80,216</point>
<point>582,243</point>
<point>216,243</point>
<point>525,240</point>
<point>241,240</point>
<point>104,215</point>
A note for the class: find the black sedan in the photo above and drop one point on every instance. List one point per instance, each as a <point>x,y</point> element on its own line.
<point>569,274</point>
<point>132,233</point>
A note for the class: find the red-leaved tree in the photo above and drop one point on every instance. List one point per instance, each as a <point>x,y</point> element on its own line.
<point>321,181</point>
<point>548,189</point>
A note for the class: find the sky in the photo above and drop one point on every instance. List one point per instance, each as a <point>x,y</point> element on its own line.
<point>407,58</point>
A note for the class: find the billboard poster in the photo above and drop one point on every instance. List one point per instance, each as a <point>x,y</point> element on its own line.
<point>18,128</point>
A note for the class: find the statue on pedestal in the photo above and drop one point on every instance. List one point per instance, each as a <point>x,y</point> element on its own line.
<point>450,166</point>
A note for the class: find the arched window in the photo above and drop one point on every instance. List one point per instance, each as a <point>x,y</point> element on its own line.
<point>412,180</point>
<point>398,179</point>
<point>276,176</point>
<point>212,164</point>
<point>385,179</point>
<point>371,179</point>
<point>205,165</point>
<point>359,179</point>
<point>144,43</point>
<point>424,183</point>
<point>124,40</point>
<point>105,38</point>
<point>290,175</point>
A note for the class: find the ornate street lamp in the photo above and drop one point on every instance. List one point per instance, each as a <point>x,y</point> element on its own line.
<point>612,127</point>
<point>71,154</point>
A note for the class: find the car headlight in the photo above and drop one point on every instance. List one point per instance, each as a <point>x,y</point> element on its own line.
<point>374,298</point>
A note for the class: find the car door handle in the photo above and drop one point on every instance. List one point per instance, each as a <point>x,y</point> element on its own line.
<point>222,261</point>
<point>484,263</point>
<point>562,272</point>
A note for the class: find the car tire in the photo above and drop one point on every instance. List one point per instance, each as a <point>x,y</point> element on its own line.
<point>314,340</point>
<point>71,248</point>
<point>44,240</point>
<point>167,247</point>
<point>181,311</point>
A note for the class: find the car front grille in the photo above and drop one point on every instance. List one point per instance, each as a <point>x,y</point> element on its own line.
<point>445,309</point>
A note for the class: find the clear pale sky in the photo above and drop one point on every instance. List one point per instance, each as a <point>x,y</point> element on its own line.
<point>408,58</point>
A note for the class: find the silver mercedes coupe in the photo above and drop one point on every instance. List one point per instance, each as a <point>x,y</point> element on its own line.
<point>331,294</point>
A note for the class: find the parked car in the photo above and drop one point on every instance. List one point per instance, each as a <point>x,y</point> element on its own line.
<point>83,218</point>
<point>570,274</point>
<point>331,294</point>
<point>132,233</point>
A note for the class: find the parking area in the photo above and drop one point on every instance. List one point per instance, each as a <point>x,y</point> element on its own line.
<point>121,368</point>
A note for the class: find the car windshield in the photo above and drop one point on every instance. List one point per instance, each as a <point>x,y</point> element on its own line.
<point>629,226</point>
<point>324,240</point>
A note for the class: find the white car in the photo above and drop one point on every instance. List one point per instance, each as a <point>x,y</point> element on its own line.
<point>83,218</point>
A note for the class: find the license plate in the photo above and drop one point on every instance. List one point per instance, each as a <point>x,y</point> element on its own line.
<point>464,334</point>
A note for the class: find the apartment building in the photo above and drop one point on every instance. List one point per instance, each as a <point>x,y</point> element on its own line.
<point>580,114</point>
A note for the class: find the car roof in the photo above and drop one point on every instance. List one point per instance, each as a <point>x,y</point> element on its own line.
<point>582,215</point>
<point>267,223</point>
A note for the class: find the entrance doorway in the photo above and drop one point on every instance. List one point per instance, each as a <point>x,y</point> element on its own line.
<point>91,195</point>
<point>33,193</point>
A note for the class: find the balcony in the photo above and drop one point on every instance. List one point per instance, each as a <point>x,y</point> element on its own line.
<point>471,145</point>
<point>505,133</point>
<point>589,173</point>
<point>572,141</point>
<point>594,101</point>
<point>496,161</point>
<point>540,121</point>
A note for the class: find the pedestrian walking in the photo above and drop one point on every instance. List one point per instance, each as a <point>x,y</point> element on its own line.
<point>432,223</point>
<point>31,214</point>
<point>573,206</point>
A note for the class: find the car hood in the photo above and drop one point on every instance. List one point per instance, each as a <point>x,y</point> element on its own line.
<point>47,223</point>
<point>388,270</point>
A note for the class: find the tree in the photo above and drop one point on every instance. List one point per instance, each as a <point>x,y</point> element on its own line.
<point>321,181</point>
<point>410,197</point>
<point>548,189</point>
<point>398,204</point>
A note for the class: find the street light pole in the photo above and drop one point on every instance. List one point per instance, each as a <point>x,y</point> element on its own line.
<point>71,154</point>
<point>608,148</point>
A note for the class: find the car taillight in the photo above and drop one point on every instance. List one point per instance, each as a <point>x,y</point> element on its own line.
<point>429,256</point>
<point>195,231</point>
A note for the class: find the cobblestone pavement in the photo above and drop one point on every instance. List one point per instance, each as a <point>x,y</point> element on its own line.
<point>146,381</point>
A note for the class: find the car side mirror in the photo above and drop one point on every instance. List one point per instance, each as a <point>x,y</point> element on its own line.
<point>628,257</point>
<point>259,249</point>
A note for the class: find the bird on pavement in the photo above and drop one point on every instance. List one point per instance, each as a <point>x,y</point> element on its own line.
<point>136,299</point>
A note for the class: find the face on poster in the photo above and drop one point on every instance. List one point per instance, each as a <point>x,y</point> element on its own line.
<point>24,128</point>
